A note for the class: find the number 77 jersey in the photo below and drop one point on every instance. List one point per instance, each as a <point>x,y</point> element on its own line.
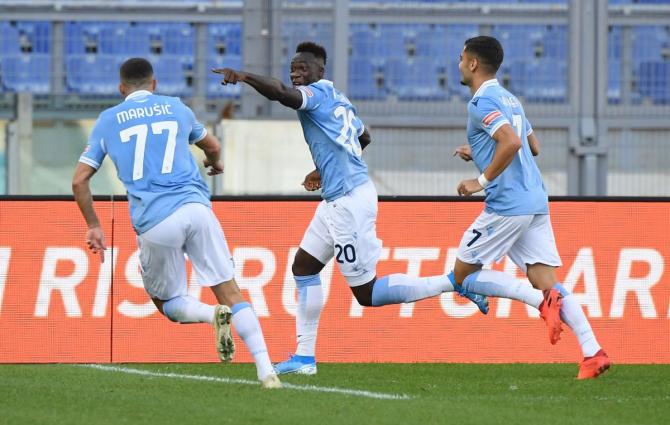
<point>518,190</point>
<point>147,138</point>
<point>331,128</point>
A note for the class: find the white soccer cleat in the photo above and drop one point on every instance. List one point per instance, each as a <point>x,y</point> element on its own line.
<point>271,382</point>
<point>224,338</point>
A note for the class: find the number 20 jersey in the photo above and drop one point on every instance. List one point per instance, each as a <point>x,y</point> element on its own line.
<point>147,137</point>
<point>331,128</point>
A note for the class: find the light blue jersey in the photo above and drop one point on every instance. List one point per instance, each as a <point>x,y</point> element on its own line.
<point>518,190</point>
<point>331,128</point>
<point>147,137</point>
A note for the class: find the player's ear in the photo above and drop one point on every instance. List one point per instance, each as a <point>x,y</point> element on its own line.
<point>122,89</point>
<point>153,84</point>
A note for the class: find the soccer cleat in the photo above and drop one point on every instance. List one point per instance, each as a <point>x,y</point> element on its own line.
<point>224,338</point>
<point>594,366</point>
<point>480,300</point>
<point>271,382</point>
<point>550,311</point>
<point>302,365</point>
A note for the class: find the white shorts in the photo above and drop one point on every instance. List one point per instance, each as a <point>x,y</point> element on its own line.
<point>527,239</point>
<point>346,229</point>
<point>193,230</point>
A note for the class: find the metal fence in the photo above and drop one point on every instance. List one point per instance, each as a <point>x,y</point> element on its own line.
<point>594,78</point>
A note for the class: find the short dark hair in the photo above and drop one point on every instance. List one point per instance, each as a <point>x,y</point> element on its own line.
<point>136,72</point>
<point>318,51</point>
<point>487,49</point>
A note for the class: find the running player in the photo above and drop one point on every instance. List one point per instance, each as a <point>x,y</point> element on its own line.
<point>147,136</point>
<point>515,222</point>
<point>344,223</point>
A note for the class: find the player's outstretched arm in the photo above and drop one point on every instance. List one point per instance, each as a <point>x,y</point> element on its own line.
<point>269,87</point>
<point>95,239</point>
<point>534,144</point>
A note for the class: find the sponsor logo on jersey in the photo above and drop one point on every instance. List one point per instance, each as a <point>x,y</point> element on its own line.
<point>491,117</point>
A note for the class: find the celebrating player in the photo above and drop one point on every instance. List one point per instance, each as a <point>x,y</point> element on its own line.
<point>147,136</point>
<point>516,221</point>
<point>344,223</point>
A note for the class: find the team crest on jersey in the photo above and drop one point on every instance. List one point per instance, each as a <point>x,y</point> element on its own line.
<point>491,117</point>
<point>87,148</point>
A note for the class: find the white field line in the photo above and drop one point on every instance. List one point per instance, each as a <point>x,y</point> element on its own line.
<point>223,380</point>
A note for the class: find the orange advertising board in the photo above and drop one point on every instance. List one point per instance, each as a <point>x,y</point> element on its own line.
<point>58,303</point>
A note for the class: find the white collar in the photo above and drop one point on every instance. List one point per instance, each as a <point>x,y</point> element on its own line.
<point>485,84</point>
<point>138,93</point>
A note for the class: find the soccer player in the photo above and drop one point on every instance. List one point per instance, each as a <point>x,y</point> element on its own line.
<point>344,223</point>
<point>147,136</point>
<point>515,221</point>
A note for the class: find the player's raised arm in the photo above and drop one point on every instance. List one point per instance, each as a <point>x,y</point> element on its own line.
<point>269,87</point>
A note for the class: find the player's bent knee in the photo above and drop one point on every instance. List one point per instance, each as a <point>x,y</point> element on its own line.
<point>363,293</point>
<point>305,265</point>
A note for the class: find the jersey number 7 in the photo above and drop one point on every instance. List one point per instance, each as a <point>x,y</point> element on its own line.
<point>141,131</point>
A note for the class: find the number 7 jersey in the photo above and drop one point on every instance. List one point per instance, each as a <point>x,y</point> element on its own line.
<point>518,190</point>
<point>331,130</point>
<point>147,137</point>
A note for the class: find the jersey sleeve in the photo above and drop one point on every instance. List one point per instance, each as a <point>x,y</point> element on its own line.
<point>312,96</point>
<point>488,115</point>
<point>95,151</point>
<point>198,130</point>
<point>529,128</point>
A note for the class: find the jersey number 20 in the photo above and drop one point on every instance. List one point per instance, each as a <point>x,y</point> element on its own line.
<point>141,131</point>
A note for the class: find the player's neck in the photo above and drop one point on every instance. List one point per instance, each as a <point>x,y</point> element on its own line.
<point>135,90</point>
<point>478,80</point>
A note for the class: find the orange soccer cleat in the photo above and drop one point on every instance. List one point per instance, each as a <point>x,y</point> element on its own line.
<point>592,367</point>
<point>550,311</point>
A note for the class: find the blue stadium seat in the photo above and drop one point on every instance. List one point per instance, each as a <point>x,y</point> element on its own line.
<point>225,38</point>
<point>653,81</point>
<point>175,38</point>
<point>363,80</point>
<point>9,39</point>
<point>214,87</point>
<point>650,43</point>
<point>414,79</point>
<point>92,74</point>
<point>546,80</point>
<point>614,81</point>
<point>26,72</point>
<point>170,74</point>
<point>34,37</point>
<point>126,39</point>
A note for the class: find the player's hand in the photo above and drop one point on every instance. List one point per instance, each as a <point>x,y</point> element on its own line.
<point>312,181</point>
<point>95,240</point>
<point>213,168</point>
<point>469,187</point>
<point>230,76</point>
<point>464,152</point>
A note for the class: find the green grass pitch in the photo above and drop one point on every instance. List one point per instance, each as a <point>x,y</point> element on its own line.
<point>387,394</point>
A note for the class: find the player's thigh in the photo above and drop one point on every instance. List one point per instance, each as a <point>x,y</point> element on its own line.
<point>537,245</point>
<point>207,247</point>
<point>317,240</point>
<point>490,237</point>
<point>162,260</point>
<point>352,220</point>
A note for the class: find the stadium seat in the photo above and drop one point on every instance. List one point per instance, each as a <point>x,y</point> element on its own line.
<point>9,39</point>
<point>34,36</point>
<point>125,39</point>
<point>26,72</point>
<point>92,74</point>
<point>363,76</point>
<point>169,72</point>
<point>651,43</point>
<point>414,79</point>
<point>653,81</point>
<point>176,38</point>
